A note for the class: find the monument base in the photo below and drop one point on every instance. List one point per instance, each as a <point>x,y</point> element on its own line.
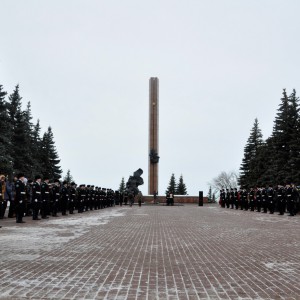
<point>177,199</point>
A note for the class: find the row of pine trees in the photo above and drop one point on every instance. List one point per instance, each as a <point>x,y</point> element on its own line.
<point>176,188</point>
<point>173,187</point>
<point>22,148</point>
<point>275,160</point>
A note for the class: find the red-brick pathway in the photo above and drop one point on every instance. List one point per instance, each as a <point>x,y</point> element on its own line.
<point>153,252</point>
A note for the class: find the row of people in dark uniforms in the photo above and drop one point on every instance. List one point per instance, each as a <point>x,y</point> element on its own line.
<point>267,199</point>
<point>41,198</point>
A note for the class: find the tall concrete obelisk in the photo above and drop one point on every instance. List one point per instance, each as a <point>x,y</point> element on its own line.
<point>153,136</point>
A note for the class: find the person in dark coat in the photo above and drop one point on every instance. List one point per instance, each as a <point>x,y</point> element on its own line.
<point>140,198</point>
<point>20,198</point>
<point>64,198</point>
<point>36,197</point>
<point>45,197</point>
<point>55,197</point>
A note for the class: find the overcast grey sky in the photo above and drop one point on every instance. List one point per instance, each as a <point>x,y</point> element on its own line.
<point>85,68</point>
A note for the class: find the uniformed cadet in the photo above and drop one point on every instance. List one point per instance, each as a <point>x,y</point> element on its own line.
<point>92,198</point>
<point>167,198</point>
<point>258,199</point>
<point>112,198</point>
<point>72,197</point>
<point>3,203</point>
<point>243,197</point>
<point>117,197</point>
<point>20,198</point>
<point>236,198</point>
<point>96,197</point>
<point>64,198</point>
<point>252,199</point>
<point>222,197</point>
<point>36,197</point>
<point>81,198</point>
<point>55,197</point>
<point>104,198</point>
<point>126,198</point>
<point>232,198</point>
<point>280,196</point>
<point>45,195</point>
<point>264,200</point>
<point>291,199</point>
<point>227,198</point>
<point>271,199</point>
<point>28,198</point>
<point>121,199</point>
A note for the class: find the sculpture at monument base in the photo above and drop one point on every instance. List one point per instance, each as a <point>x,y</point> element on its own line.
<point>134,181</point>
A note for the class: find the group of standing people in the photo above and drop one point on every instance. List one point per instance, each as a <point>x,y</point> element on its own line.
<point>41,199</point>
<point>263,199</point>
<point>169,199</point>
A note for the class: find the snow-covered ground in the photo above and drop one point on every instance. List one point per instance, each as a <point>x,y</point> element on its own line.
<point>26,242</point>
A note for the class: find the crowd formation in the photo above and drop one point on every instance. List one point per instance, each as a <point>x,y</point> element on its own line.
<point>267,199</point>
<point>41,199</point>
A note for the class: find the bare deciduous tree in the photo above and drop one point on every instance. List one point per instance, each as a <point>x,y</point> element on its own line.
<point>224,180</point>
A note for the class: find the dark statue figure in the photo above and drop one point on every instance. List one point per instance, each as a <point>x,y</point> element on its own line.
<point>134,181</point>
<point>154,158</point>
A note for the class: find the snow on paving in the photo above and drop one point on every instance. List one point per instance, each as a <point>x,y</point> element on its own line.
<point>187,252</point>
<point>27,242</point>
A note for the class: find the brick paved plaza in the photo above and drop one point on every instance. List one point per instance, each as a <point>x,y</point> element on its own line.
<point>153,252</point>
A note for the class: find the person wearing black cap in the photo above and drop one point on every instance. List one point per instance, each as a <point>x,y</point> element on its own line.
<point>96,198</point>
<point>45,195</point>
<point>271,200</point>
<point>56,197</point>
<point>280,195</point>
<point>87,198</point>
<point>64,198</point>
<point>258,199</point>
<point>291,197</point>
<point>232,198</point>
<point>72,197</point>
<point>81,198</point>
<point>264,200</point>
<point>92,197</point>
<point>222,197</point>
<point>20,198</point>
<point>244,196</point>
<point>236,198</point>
<point>227,198</point>
<point>3,202</point>
<point>252,199</point>
<point>36,197</point>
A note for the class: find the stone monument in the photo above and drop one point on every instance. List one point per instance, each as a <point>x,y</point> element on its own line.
<point>153,137</point>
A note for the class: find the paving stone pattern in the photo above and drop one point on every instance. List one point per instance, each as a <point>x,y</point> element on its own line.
<point>153,252</point>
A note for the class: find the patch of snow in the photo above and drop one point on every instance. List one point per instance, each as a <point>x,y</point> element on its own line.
<point>285,267</point>
<point>17,242</point>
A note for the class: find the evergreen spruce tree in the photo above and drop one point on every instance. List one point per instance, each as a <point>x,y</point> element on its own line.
<point>285,126</point>
<point>248,176</point>
<point>181,188</point>
<point>36,149</point>
<point>122,186</point>
<point>172,185</point>
<point>293,163</point>
<point>209,195</point>
<point>68,178</point>
<point>50,156</point>
<point>262,164</point>
<point>214,198</point>
<point>29,154</point>
<point>20,136</point>
<point>6,160</point>
<point>13,109</point>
